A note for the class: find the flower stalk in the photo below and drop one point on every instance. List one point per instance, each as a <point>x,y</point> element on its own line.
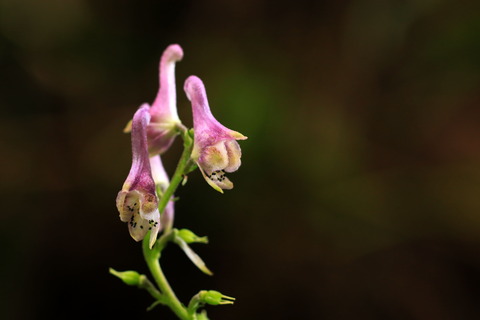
<point>153,255</point>
<point>146,200</point>
<point>168,297</point>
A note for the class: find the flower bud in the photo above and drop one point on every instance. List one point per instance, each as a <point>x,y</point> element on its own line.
<point>202,315</point>
<point>214,298</point>
<point>190,237</point>
<point>132,278</point>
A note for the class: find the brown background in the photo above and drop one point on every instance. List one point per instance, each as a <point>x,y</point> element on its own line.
<point>359,193</point>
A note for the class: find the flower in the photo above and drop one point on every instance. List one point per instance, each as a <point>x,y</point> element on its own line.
<point>137,201</point>
<point>215,148</point>
<point>161,181</point>
<point>164,117</point>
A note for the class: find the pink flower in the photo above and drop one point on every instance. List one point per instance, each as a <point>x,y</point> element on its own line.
<point>215,149</point>
<point>164,117</point>
<point>162,182</point>
<point>137,201</point>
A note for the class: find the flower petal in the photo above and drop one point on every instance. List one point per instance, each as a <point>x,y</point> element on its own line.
<point>158,173</point>
<point>234,155</point>
<point>208,130</point>
<point>138,227</point>
<point>215,148</point>
<point>137,202</point>
<point>217,180</point>
<point>140,176</point>
<point>162,129</point>
<point>165,104</point>
<point>162,181</point>
<point>214,158</point>
<point>127,204</point>
<point>168,216</point>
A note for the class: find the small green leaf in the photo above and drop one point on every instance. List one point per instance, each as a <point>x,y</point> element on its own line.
<point>153,305</point>
<point>195,258</point>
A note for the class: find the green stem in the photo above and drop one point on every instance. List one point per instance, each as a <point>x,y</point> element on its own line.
<point>169,297</point>
<point>152,256</point>
<point>147,285</point>
<point>178,174</point>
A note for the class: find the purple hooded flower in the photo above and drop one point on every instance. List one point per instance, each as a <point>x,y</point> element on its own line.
<point>215,149</point>
<point>164,117</point>
<point>137,201</point>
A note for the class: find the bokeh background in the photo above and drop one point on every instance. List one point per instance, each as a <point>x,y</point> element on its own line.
<point>359,192</point>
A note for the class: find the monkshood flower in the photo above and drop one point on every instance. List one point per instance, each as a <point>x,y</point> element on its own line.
<point>137,201</point>
<point>161,181</point>
<point>164,117</point>
<point>215,148</point>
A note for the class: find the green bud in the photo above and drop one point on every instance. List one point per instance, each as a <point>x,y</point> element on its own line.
<point>214,298</point>
<point>202,316</point>
<point>190,237</point>
<point>184,180</point>
<point>132,278</point>
<point>211,297</point>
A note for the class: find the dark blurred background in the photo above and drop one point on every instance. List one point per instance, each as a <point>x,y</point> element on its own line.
<point>359,192</point>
